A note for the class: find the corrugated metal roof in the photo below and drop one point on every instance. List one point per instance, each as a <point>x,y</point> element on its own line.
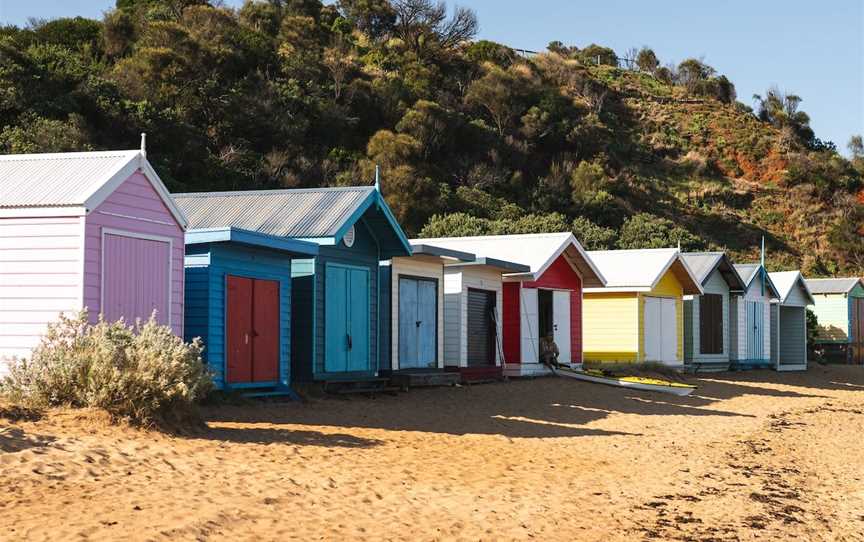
<point>832,286</point>
<point>57,179</point>
<point>299,213</point>
<point>638,268</point>
<point>702,263</point>
<point>747,271</point>
<point>535,250</point>
<point>784,281</point>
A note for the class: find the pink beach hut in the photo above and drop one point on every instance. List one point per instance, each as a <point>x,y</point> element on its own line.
<point>85,229</point>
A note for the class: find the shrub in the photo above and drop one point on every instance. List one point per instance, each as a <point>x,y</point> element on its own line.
<point>143,373</point>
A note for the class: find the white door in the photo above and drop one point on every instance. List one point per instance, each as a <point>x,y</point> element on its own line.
<point>561,324</point>
<point>652,330</point>
<point>530,324</point>
<point>670,331</point>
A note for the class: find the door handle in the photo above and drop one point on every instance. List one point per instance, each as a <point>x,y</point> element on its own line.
<point>418,322</point>
<point>350,344</point>
<point>245,338</point>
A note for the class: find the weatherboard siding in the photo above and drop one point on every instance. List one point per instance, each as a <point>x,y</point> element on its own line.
<point>714,285</point>
<point>832,312</point>
<point>669,287</point>
<point>611,327</point>
<point>134,207</point>
<point>454,354</point>
<point>753,293</point>
<point>41,274</point>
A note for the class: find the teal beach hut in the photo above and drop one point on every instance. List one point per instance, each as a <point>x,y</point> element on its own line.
<point>839,308</point>
<point>335,306</point>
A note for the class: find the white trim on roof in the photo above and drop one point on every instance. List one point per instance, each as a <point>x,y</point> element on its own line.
<point>798,279</point>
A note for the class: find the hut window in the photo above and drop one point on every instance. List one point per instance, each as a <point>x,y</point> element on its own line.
<point>711,324</point>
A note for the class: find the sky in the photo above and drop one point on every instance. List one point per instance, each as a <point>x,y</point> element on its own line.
<point>812,48</point>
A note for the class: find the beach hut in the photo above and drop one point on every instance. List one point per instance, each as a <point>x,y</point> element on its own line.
<point>473,303</point>
<point>335,295</point>
<point>545,301</point>
<point>706,317</point>
<point>95,230</point>
<point>839,308</point>
<point>750,318</point>
<point>639,315</point>
<point>238,300</point>
<point>789,321</point>
<point>412,315</point>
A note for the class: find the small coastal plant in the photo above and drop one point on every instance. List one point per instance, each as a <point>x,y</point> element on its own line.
<point>142,372</point>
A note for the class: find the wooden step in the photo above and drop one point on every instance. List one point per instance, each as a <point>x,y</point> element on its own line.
<point>425,379</point>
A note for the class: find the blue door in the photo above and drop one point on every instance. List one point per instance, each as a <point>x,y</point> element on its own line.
<point>336,319</point>
<point>417,323</point>
<point>755,330</point>
<point>358,319</point>
<point>346,317</point>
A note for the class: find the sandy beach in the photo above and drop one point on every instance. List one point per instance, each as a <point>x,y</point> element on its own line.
<point>750,456</point>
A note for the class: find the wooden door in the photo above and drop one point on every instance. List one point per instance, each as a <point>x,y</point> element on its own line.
<point>358,325</point>
<point>668,330</point>
<point>238,330</point>
<point>652,329</point>
<point>137,278</point>
<point>561,324</point>
<point>481,328</point>
<point>755,330</point>
<point>265,328</point>
<point>857,328</point>
<point>418,323</point>
<point>252,330</point>
<point>408,324</point>
<point>336,307</point>
<point>530,326</point>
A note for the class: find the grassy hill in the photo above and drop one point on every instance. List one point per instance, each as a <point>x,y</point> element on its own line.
<point>471,137</point>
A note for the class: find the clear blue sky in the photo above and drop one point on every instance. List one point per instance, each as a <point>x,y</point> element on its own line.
<point>814,48</point>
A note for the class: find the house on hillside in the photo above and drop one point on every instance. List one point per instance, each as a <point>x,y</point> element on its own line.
<point>639,315</point>
<point>839,309</point>
<point>336,294</point>
<point>789,321</point>
<point>94,230</point>
<point>707,344</point>
<point>543,301</point>
<point>750,318</point>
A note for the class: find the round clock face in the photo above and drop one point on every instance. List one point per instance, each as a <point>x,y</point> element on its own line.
<point>348,239</point>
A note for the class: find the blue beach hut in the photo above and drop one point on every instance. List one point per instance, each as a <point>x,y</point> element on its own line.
<point>238,299</point>
<point>335,306</point>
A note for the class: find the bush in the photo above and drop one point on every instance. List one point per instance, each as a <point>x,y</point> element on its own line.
<point>143,373</point>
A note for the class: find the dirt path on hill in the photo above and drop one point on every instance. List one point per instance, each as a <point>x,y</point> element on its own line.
<point>750,456</point>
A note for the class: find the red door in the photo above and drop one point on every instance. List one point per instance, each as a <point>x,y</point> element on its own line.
<point>265,320</point>
<point>239,329</point>
<point>252,330</point>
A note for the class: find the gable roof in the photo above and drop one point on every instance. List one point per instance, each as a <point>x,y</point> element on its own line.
<point>72,183</point>
<point>536,250</point>
<point>749,271</point>
<point>703,264</point>
<point>785,281</point>
<point>251,238</point>
<point>321,215</point>
<point>640,270</point>
<point>833,286</point>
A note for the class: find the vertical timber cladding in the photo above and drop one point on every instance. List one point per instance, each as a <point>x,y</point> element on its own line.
<point>857,328</point>
<point>347,333</point>
<point>252,330</point>
<point>481,328</point>
<point>418,322</point>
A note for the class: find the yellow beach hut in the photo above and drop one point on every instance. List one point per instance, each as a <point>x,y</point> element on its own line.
<point>639,315</point>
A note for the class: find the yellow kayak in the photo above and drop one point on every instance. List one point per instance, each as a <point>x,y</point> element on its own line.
<point>631,382</point>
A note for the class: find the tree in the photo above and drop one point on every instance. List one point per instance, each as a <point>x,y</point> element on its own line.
<point>645,230</point>
<point>856,147</point>
<point>691,72</point>
<point>595,54</point>
<point>782,111</point>
<point>500,92</point>
<point>421,24</point>
<point>375,18</point>
<point>593,236</point>
<point>646,60</point>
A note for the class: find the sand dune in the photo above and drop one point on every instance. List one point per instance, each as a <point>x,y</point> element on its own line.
<point>751,455</point>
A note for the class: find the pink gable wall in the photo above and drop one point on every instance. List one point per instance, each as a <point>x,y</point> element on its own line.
<point>134,207</point>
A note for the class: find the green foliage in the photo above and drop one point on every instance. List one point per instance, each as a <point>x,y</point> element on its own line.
<point>305,93</point>
<point>144,373</point>
<point>464,225</point>
<point>592,236</point>
<point>645,230</point>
